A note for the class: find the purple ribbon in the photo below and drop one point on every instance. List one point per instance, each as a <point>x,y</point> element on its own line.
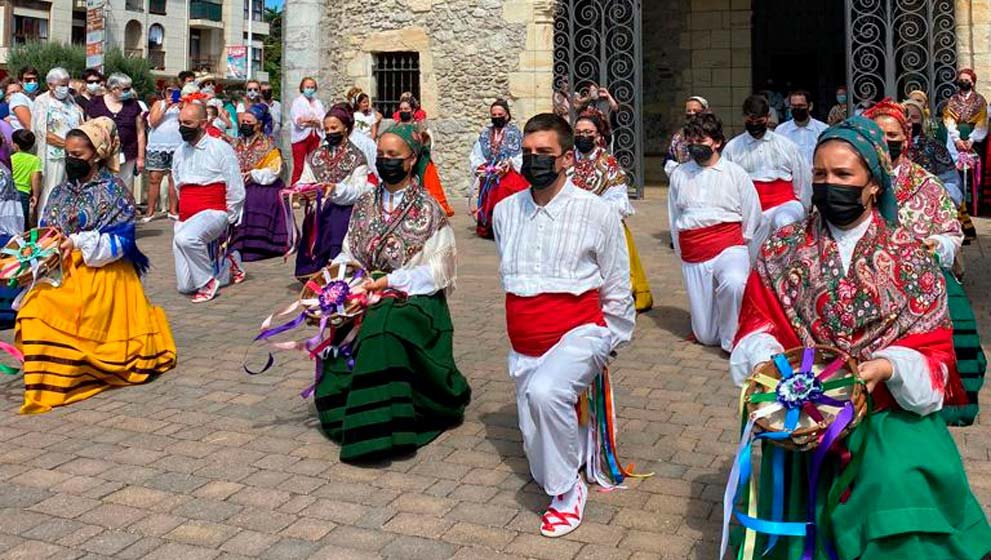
<point>265,335</point>
<point>843,419</point>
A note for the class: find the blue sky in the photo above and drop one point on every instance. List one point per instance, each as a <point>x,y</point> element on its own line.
<point>273,3</point>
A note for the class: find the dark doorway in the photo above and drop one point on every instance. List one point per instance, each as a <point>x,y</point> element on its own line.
<point>802,44</point>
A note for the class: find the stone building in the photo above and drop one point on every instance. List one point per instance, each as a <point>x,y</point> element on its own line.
<point>460,55</point>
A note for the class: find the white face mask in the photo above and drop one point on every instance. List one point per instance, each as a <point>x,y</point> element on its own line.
<point>208,90</point>
<point>93,89</point>
<point>60,92</point>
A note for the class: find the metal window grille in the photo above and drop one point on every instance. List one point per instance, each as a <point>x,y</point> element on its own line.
<point>395,73</point>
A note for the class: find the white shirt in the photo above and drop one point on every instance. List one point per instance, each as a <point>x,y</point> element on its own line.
<point>165,137</point>
<point>772,157</point>
<point>275,109</point>
<point>19,99</point>
<point>806,137</point>
<point>303,108</point>
<point>700,197</point>
<point>211,160</point>
<point>910,383</point>
<point>572,245</point>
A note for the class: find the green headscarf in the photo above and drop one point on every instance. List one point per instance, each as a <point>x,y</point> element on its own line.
<point>408,133</point>
<point>867,139</point>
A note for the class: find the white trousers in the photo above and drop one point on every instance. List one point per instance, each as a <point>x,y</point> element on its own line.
<point>774,219</point>
<point>54,175</point>
<point>194,259</point>
<point>715,292</point>
<point>547,389</point>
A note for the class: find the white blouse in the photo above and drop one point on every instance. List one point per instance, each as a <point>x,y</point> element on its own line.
<point>910,383</point>
<point>770,158</point>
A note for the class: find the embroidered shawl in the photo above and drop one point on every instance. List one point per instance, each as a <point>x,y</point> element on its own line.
<point>924,208</point>
<point>892,289</point>
<point>334,166</point>
<point>678,151</point>
<point>251,153</point>
<point>597,172</point>
<point>509,146</point>
<point>931,154</point>
<point>385,242</point>
<point>967,110</point>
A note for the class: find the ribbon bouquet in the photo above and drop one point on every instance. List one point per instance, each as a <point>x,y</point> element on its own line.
<point>969,164</point>
<point>805,400</point>
<point>335,301</point>
<point>486,183</point>
<point>309,193</point>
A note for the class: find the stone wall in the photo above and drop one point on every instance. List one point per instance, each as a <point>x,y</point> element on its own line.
<point>665,59</point>
<point>973,26</point>
<point>471,53</point>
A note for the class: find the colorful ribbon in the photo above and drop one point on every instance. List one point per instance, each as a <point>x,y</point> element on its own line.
<point>596,410</point>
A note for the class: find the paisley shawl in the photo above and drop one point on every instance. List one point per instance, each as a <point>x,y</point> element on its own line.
<point>509,146</point>
<point>332,167</point>
<point>597,172</point>
<point>893,287</point>
<point>930,154</point>
<point>966,109</point>
<point>924,208</point>
<point>385,242</point>
<point>250,154</point>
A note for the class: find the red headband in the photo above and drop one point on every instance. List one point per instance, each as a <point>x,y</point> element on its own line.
<point>888,107</point>
<point>969,72</point>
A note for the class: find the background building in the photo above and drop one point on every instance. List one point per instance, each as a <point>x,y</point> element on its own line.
<point>174,35</point>
<point>460,55</point>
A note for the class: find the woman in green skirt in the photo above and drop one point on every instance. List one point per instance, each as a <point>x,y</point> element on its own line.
<point>850,277</point>
<point>399,387</point>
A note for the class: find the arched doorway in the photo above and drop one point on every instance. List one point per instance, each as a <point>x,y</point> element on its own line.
<point>133,46</point>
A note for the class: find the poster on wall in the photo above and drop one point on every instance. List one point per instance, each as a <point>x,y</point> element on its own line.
<point>237,62</point>
<point>96,33</point>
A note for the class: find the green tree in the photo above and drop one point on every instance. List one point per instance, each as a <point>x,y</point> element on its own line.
<point>48,55</point>
<point>273,49</point>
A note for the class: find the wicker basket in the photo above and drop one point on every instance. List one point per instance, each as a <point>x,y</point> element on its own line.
<point>40,246</point>
<point>809,432</point>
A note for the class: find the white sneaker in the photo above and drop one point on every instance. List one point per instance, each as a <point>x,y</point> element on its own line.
<point>565,512</point>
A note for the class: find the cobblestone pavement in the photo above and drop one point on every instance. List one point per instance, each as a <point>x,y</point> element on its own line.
<point>208,462</point>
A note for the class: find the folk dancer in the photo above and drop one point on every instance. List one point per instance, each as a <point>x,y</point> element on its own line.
<point>566,273</point>
<point>597,171</point>
<point>97,330</point>
<point>495,164</point>
<point>211,196</point>
<point>780,173</point>
<point>714,213</point>
<point>402,387</point>
<point>839,279</point>
<point>965,117</point>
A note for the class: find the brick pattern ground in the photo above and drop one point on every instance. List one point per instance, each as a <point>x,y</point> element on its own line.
<point>210,463</point>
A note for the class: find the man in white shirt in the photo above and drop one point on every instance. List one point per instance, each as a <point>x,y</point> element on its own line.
<point>211,195</point>
<point>803,129</point>
<point>781,175</point>
<point>714,213</point>
<point>565,269</point>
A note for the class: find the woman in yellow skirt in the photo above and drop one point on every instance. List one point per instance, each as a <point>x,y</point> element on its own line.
<point>97,329</point>
<point>596,170</point>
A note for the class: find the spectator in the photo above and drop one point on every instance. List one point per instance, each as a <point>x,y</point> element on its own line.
<point>22,102</point>
<point>120,105</point>
<point>186,77</point>
<point>417,114</point>
<point>93,87</point>
<point>307,125</point>
<point>163,140</point>
<point>54,114</point>
<point>252,94</point>
<point>274,109</point>
<point>27,172</point>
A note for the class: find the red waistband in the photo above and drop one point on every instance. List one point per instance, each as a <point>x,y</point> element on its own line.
<point>774,193</point>
<point>704,244</point>
<point>196,198</point>
<point>535,324</point>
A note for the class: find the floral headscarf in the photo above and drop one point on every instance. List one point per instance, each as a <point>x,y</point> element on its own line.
<point>867,139</point>
<point>102,133</point>
<point>888,107</point>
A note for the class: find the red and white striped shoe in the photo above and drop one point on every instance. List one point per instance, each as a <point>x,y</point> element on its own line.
<point>565,512</point>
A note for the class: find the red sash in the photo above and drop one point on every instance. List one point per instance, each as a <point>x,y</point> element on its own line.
<point>196,198</point>
<point>704,244</point>
<point>774,193</point>
<point>535,324</point>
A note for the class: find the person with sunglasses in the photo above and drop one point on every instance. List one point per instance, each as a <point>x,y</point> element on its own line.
<point>22,102</point>
<point>120,104</point>
<point>94,81</point>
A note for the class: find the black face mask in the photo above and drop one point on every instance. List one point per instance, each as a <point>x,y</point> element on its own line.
<point>333,139</point>
<point>700,152</point>
<point>539,171</point>
<point>499,122</point>
<point>267,94</point>
<point>391,170</point>
<point>405,116</point>
<point>756,129</point>
<point>840,205</point>
<point>800,114</point>
<point>189,133</point>
<point>77,169</point>
<point>964,86</point>
<point>246,130</point>
<point>585,144</point>
<point>895,149</point>
<point>916,129</point>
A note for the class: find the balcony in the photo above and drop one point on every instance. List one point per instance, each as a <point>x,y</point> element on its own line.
<point>156,59</point>
<point>206,14</point>
<point>209,64</point>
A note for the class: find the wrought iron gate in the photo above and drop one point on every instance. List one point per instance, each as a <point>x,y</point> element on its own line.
<point>599,42</point>
<point>896,46</point>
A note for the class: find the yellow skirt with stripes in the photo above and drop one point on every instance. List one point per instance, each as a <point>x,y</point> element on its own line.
<point>643,300</point>
<point>96,331</point>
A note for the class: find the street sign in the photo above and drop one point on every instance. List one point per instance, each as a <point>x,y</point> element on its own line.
<point>96,33</point>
